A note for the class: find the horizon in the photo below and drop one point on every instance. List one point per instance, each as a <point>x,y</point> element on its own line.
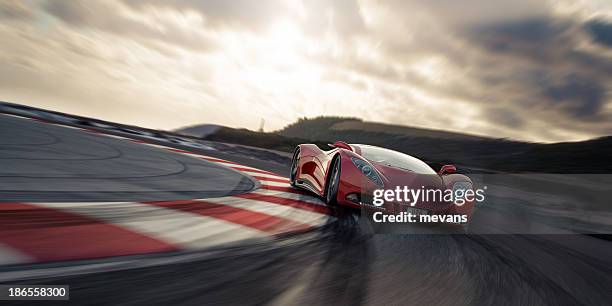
<point>526,71</point>
<point>340,118</point>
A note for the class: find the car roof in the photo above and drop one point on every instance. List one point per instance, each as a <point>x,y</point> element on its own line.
<point>407,161</point>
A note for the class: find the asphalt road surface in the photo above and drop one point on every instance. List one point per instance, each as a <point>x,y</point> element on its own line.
<point>342,262</point>
<point>44,162</point>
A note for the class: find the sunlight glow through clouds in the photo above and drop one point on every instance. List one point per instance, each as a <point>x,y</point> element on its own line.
<point>536,75</point>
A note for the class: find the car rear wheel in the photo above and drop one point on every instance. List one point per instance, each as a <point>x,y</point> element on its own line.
<point>331,194</point>
<point>294,167</point>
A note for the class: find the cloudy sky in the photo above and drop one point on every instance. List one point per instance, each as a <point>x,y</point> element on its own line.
<point>530,70</point>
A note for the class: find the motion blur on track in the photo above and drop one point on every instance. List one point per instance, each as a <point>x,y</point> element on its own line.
<point>197,247</point>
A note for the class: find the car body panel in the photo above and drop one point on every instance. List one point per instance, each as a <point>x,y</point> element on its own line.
<point>313,174</point>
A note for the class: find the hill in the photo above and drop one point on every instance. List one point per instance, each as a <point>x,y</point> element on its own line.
<point>200,130</point>
<point>320,127</point>
<point>436,147</point>
<point>472,153</point>
<point>246,137</point>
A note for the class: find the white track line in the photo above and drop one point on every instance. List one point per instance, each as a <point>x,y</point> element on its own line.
<point>263,175</point>
<point>11,256</point>
<point>277,184</point>
<point>231,164</point>
<point>291,196</point>
<point>183,229</point>
<point>294,214</point>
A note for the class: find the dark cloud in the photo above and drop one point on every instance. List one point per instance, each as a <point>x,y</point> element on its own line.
<point>522,57</point>
<point>534,37</point>
<point>505,117</point>
<point>535,66</point>
<point>581,97</point>
<point>530,30</point>
<point>601,31</point>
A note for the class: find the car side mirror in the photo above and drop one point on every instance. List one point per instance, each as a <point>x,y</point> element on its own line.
<point>341,145</point>
<point>447,169</point>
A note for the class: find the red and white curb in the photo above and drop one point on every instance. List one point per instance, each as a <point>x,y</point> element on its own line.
<point>49,232</point>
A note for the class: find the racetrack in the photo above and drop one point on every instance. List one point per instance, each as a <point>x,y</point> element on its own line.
<point>74,194</point>
<point>206,237</point>
<point>45,162</point>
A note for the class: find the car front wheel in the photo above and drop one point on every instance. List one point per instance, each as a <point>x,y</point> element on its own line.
<point>331,194</point>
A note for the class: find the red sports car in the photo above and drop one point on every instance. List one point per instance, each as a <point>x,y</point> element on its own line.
<point>349,175</point>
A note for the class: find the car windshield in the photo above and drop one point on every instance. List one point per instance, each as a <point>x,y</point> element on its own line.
<point>394,159</point>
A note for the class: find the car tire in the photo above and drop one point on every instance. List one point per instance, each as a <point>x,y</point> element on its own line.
<point>331,190</point>
<point>295,162</point>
